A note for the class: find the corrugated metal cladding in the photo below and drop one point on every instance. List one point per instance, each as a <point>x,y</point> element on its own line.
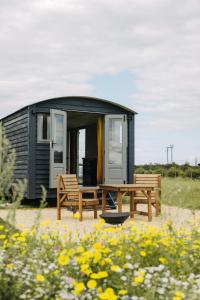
<point>32,161</point>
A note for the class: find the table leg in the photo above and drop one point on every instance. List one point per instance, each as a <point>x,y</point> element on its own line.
<point>132,204</point>
<point>104,201</point>
<point>119,201</point>
<point>149,206</point>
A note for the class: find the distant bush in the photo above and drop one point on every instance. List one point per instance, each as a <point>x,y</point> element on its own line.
<point>170,170</point>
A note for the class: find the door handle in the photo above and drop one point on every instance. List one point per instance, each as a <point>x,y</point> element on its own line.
<point>52,144</point>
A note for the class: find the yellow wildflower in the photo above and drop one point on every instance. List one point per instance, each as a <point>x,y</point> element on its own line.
<point>163,260</point>
<point>178,296</point>
<point>108,260</point>
<point>56,272</point>
<point>138,279</point>
<point>98,246</point>
<point>97,257</point>
<point>45,237</point>
<point>99,225</point>
<point>118,253</point>
<point>63,260</point>
<point>195,247</point>
<point>45,223</point>
<point>85,268</point>
<point>40,278</point>
<point>78,287</point>
<point>9,266</point>
<point>80,249</point>
<point>99,275</point>
<point>108,294</point>
<point>21,239</point>
<point>143,253</point>
<point>76,215</point>
<point>91,284</point>
<point>113,241</point>
<point>115,268</point>
<point>122,292</point>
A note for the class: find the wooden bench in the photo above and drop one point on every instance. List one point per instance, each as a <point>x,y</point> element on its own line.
<point>69,194</point>
<point>139,198</point>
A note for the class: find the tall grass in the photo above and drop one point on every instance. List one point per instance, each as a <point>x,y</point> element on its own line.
<point>181,192</point>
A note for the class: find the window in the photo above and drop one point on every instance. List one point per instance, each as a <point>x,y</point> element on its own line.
<point>43,125</point>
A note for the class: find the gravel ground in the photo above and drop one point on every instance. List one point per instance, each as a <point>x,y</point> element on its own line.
<point>25,218</point>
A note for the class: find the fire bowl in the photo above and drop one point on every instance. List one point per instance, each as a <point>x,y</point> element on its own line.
<point>114,218</point>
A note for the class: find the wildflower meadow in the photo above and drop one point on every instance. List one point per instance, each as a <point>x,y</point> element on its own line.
<point>126,262</point>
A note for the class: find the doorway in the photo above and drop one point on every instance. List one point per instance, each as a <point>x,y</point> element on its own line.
<point>93,146</point>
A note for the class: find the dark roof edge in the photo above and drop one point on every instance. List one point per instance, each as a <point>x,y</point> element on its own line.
<point>83,97</point>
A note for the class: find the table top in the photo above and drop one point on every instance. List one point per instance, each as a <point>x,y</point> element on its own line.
<point>86,188</point>
<point>127,187</point>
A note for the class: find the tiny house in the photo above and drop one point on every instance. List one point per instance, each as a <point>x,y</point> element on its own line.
<point>91,137</point>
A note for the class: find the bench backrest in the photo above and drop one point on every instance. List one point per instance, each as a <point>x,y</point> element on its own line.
<point>68,183</point>
<point>152,179</point>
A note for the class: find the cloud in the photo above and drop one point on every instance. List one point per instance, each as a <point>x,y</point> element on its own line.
<point>53,48</point>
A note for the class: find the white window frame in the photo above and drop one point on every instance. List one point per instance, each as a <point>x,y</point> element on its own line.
<point>40,127</point>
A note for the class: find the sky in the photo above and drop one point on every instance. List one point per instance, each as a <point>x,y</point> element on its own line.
<point>143,54</point>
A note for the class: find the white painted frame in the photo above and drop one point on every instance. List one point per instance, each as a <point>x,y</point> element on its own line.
<point>115,173</point>
<point>57,168</point>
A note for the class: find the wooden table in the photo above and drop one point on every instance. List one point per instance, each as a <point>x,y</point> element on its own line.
<point>127,188</point>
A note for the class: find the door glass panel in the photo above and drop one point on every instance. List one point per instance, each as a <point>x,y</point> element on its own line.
<point>59,138</point>
<point>115,141</point>
<point>58,156</point>
<point>59,122</point>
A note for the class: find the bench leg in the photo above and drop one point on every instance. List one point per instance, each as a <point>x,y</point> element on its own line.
<point>132,205</point>
<point>58,208</point>
<point>80,207</point>
<point>158,209</point>
<point>104,193</point>
<point>58,212</point>
<point>119,200</point>
<point>95,211</point>
<point>149,206</point>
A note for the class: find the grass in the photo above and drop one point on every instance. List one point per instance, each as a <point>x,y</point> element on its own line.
<point>181,192</point>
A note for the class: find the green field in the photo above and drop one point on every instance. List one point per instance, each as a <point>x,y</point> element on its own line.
<point>181,192</point>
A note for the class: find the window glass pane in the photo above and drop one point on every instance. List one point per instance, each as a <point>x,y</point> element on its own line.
<point>59,138</point>
<point>115,142</point>
<point>43,127</point>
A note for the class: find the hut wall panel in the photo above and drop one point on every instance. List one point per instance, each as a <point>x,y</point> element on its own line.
<point>42,168</point>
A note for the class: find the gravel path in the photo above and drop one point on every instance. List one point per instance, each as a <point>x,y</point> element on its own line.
<point>25,218</point>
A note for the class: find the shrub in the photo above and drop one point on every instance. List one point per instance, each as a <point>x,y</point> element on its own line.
<point>7,163</point>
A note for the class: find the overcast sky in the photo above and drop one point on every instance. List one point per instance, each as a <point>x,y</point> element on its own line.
<point>144,54</point>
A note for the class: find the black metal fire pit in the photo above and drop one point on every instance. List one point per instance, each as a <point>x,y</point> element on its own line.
<point>115,218</point>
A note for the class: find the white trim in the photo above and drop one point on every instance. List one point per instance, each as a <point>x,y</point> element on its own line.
<point>57,168</point>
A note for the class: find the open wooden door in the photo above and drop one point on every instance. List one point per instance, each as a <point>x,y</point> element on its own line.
<point>115,158</point>
<point>58,144</point>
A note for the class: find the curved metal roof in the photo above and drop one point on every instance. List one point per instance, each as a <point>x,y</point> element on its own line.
<point>78,98</point>
<point>90,98</point>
